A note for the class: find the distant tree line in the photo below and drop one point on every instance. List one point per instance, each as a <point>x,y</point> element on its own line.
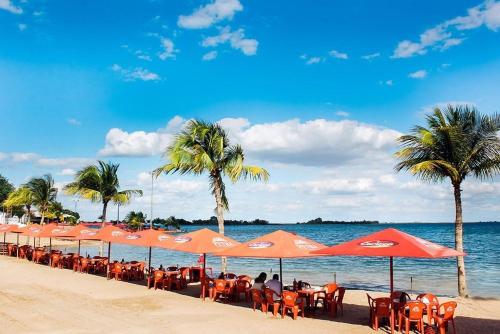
<point>319,221</point>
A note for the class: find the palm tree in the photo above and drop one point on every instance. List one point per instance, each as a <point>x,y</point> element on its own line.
<point>135,220</point>
<point>43,193</point>
<point>204,148</point>
<point>457,142</point>
<point>99,183</point>
<point>22,196</point>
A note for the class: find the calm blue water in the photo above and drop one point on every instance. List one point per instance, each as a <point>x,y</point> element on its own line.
<point>482,243</point>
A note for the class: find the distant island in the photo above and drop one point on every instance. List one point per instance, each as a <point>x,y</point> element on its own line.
<point>178,222</point>
<point>319,221</point>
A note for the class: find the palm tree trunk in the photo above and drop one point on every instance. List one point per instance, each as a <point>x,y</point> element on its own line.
<point>219,210</point>
<point>28,208</point>
<point>459,243</point>
<point>103,217</point>
<point>43,218</point>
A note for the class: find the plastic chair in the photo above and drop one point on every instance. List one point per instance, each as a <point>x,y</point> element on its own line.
<point>206,287</point>
<point>121,272</point>
<point>380,309</point>
<point>443,318</point>
<point>242,286</point>
<point>245,278</point>
<point>325,296</point>
<point>275,304</point>
<point>412,313</point>
<point>290,303</point>
<point>159,279</point>
<point>55,260</point>
<point>184,277</point>
<point>431,305</point>
<point>230,276</point>
<point>258,299</point>
<point>399,299</point>
<point>336,303</point>
<point>221,289</point>
<point>84,265</point>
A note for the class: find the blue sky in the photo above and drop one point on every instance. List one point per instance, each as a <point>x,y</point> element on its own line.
<point>316,93</point>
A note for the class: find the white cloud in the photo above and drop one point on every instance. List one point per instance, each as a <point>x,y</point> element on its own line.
<point>74,121</point>
<point>142,55</point>
<point>140,143</point>
<point>441,37</point>
<point>330,186</point>
<point>420,74</point>
<point>235,38</point>
<point>207,15</point>
<point>337,54</point>
<point>342,113</point>
<point>67,172</point>
<point>314,60</point>
<point>22,26</point>
<point>210,55</point>
<point>386,82</point>
<point>168,49</point>
<point>38,160</point>
<point>10,7</point>
<point>133,74</point>
<point>371,56</point>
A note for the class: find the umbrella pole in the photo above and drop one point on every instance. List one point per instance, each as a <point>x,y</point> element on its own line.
<point>149,263</point>
<point>17,248</point>
<point>79,247</point>
<point>109,259</point>
<point>202,277</point>
<point>281,276</point>
<point>4,245</point>
<point>391,274</point>
<point>50,252</point>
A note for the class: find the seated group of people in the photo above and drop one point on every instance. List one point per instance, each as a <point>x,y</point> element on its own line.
<point>273,284</point>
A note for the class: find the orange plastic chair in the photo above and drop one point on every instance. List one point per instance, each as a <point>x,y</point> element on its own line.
<point>10,249</point>
<point>84,265</point>
<point>443,318</point>
<point>325,296</point>
<point>54,263</point>
<point>290,303</point>
<point>221,289</point>
<point>431,305</point>
<point>242,286</point>
<point>399,299</point>
<point>206,287</point>
<point>245,278</point>
<point>412,313</point>
<point>275,304</point>
<point>184,277</point>
<point>159,279</point>
<point>121,272</point>
<point>258,299</point>
<point>380,309</point>
<point>22,251</point>
<point>336,303</point>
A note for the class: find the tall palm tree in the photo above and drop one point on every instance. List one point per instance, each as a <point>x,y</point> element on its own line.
<point>457,142</point>
<point>205,148</point>
<point>22,196</point>
<point>43,193</point>
<point>99,183</point>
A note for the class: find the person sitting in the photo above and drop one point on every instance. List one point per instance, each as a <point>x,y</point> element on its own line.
<point>161,267</point>
<point>259,281</point>
<point>221,276</point>
<point>275,285</point>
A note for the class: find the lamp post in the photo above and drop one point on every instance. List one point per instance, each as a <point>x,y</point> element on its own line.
<point>151,209</point>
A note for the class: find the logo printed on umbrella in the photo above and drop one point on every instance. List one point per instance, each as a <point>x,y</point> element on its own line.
<point>428,244</point>
<point>182,239</point>
<point>221,242</point>
<point>57,230</point>
<point>302,244</point>
<point>133,237</point>
<point>116,233</point>
<point>163,237</point>
<point>378,244</point>
<point>88,232</point>
<point>6,227</point>
<point>260,244</point>
<point>35,229</point>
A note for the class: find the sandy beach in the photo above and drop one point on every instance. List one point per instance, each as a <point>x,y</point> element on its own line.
<point>38,299</point>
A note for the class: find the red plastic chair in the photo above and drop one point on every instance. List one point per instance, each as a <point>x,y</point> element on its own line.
<point>159,279</point>
<point>336,303</point>
<point>290,303</point>
<point>380,309</point>
<point>242,286</point>
<point>258,299</point>
<point>84,265</point>
<point>55,260</point>
<point>184,277</point>
<point>443,318</point>
<point>221,289</point>
<point>325,296</point>
<point>275,304</point>
<point>206,287</point>
<point>431,305</point>
<point>412,313</point>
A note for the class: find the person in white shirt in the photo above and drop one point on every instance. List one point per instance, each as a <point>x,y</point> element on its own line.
<point>275,285</point>
<point>259,281</point>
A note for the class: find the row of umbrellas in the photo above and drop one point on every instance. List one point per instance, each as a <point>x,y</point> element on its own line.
<point>278,244</point>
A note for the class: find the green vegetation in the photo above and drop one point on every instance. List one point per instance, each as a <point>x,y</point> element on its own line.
<point>319,221</point>
<point>457,142</point>
<point>135,220</point>
<point>43,194</point>
<point>5,189</point>
<point>99,183</point>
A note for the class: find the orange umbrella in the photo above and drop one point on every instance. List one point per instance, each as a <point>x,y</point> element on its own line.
<point>77,231</point>
<point>13,229</point>
<point>278,244</point>
<point>5,228</point>
<point>147,238</point>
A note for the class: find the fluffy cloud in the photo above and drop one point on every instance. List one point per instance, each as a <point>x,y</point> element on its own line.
<point>337,54</point>
<point>38,160</point>
<point>209,14</point>
<point>332,186</point>
<point>209,56</point>
<point>168,49</point>
<point>22,26</point>
<point>74,121</point>
<point>235,38</point>
<point>10,7</point>
<point>134,74</point>
<point>420,74</point>
<point>342,113</point>
<point>314,60</point>
<point>371,56</point>
<point>441,37</point>
<point>140,143</point>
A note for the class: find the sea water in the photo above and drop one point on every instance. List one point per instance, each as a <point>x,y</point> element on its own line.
<point>482,244</point>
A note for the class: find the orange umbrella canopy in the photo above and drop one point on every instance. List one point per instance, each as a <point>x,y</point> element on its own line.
<point>278,244</point>
<point>147,238</point>
<point>8,228</point>
<point>45,231</point>
<point>390,243</point>
<point>202,241</point>
<point>108,233</point>
<point>73,232</point>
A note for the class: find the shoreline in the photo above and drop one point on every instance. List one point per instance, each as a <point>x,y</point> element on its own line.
<point>36,298</point>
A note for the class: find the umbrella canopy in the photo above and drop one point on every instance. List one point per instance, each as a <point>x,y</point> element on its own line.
<point>45,231</point>
<point>108,233</point>
<point>278,244</point>
<point>147,238</point>
<point>8,228</point>
<point>202,241</point>
<point>390,243</point>
<point>73,232</point>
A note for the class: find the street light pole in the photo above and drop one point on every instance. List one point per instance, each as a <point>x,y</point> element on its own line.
<point>118,218</point>
<point>151,212</point>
